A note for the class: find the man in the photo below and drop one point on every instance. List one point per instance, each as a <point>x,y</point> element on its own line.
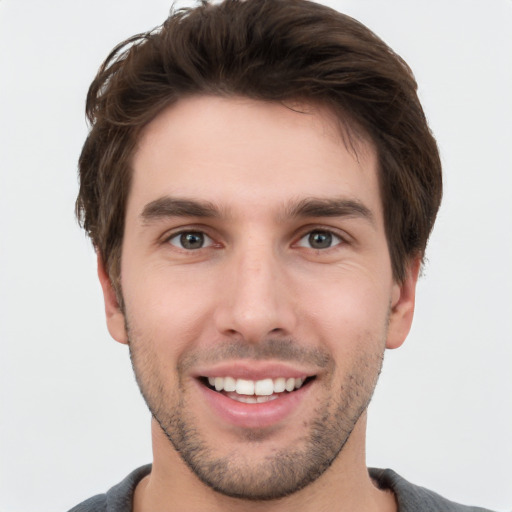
<point>259,184</point>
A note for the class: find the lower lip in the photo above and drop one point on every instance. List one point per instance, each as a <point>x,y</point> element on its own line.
<point>266,414</point>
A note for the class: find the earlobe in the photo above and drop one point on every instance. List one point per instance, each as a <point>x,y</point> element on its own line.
<point>114,315</point>
<point>402,306</point>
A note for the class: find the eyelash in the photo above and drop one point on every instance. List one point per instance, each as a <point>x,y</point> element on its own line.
<point>332,236</point>
<point>197,232</point>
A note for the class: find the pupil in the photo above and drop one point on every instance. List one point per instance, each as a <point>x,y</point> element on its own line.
<point>192,240</point>
<point>320,239</point>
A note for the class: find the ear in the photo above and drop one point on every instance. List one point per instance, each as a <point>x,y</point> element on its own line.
<point>402,305</point>
<point>115,316</point>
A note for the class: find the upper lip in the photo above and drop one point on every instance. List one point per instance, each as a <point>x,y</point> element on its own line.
<point>253,370</point>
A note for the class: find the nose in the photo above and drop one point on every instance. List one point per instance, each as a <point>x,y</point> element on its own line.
<point>256,297</point>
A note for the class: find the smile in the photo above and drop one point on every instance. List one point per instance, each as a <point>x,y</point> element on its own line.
<point>255,391</point>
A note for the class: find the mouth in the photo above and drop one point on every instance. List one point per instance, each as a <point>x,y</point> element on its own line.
<point>256,391</point>
<point>255,394</point>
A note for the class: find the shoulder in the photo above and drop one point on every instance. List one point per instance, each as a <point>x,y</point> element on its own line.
<point>119,498</point>
<point>413,498</point>
<point>95,504</point>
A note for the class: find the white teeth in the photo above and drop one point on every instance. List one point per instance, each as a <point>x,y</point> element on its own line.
<point>264,387</point>
<point>245,387</point>
<point>261,388</point>
<point>251,399</point>
<point>279,385</point>
<point>261,399</point>
<point>219,383</point>
<point>229,384</point>
<point>246,399</point>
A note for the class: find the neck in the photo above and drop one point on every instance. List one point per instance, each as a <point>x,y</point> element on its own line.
<point>345,485</point>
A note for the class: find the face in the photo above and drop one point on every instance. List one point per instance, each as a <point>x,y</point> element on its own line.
<point>258,290</point>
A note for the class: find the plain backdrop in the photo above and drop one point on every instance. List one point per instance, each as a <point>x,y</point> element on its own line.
<point>72,422</point>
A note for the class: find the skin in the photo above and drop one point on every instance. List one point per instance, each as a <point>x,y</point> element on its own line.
<point>257,294</point>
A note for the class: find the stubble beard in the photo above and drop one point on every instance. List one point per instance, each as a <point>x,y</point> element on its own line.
<point>285,471</point>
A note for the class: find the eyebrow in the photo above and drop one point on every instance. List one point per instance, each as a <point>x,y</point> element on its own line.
<point>330,207</point>
<point>167,206</point>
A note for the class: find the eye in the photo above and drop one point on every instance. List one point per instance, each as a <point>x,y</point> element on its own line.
<point>319,239</point>
<point>191,240</point>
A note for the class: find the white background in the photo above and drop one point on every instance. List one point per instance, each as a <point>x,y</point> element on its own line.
<point>72,422</point>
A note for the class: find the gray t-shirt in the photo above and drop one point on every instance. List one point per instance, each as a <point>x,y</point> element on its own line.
<point>410,498</point>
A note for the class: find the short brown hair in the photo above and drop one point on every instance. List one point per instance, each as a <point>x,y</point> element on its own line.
<point>273,50</point>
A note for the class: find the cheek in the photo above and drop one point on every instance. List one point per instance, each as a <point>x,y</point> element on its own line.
<point>348,311</point>
<point>167,308</point>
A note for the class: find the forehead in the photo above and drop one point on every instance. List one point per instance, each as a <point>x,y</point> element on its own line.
<point>244,153</point>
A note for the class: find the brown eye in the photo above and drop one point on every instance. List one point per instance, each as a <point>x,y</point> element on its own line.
<point>319,239</point>
<point>191,240</point>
